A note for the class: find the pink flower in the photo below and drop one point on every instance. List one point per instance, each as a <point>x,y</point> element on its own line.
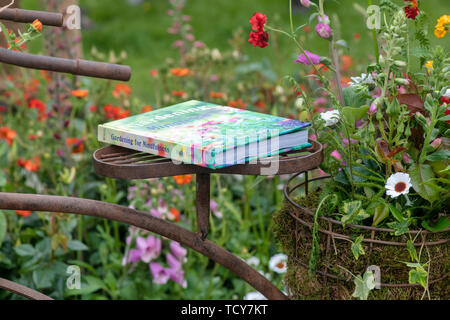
<point>373,109</point>
<point>133,256</point>
<point>305,3</point>
<point>190,37</point>
<point>160,274</point>
<point>178,44</point>
<point>150,248</point>
<point>327,19</point>
<point>215,209</point>
<point>178,251</point>
<point>176,272</point>
<point>406,158</point>
<point>315,59</point>
<point>199,44</point>
<point>323,30</point>
<point>337,155</point>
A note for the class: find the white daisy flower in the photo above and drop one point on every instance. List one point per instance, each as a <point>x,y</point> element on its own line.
<point>253,262</point>
<point>278,263</point>
<point>397,184</point>
<point>363,79</point>
<point>254,296</point>
<point>330,117</point>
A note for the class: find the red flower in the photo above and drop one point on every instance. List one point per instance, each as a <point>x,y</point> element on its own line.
<point>30,165</point>
<point>259,39</point>
<point>75,145</point>
<point>24,213</point>
<point>258,21</point>
<point>412,11</point>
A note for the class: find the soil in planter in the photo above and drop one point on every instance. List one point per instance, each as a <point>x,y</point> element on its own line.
<point>296,240</point>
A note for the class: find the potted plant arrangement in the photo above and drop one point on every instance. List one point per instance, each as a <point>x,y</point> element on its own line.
<point>375,215</point>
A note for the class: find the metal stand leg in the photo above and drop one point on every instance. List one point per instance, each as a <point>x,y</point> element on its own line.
<point>203,182</point>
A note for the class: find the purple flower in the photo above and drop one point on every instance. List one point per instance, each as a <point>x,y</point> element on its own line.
<point>178,251</point>
<point>327,19</point>
<point>176,272</point>
<point>315,59</point>
<point>133,256</point>
<point>150,248</point>
<point>159,273</point>
<point>373,109</point>
<point>323,30</point>
<point>406,158</point>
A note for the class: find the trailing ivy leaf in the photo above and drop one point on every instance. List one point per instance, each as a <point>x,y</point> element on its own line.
<point>418,276</point>
<point>420,174</point>
<point>357,247</point>
<point>363,285</point>
<point>350,209</point>
<point>412,251</point>
<point>441,224</point>
<point>400,227</point>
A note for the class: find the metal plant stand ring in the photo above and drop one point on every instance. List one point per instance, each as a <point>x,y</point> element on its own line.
<point>121,163</point>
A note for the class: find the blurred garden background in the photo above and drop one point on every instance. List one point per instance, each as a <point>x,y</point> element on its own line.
<point>178,50</point>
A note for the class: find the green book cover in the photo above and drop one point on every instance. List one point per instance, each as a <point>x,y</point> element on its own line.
<point>204,134</point>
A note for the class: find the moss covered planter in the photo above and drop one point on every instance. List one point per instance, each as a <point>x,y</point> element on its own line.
<point>293,229</point>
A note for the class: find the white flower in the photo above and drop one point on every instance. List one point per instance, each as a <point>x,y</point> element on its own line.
<point>330,117</point>
<point>253,261</point>
<point>278,90</point>
<point>278,263</point>
<point>447,93</point>
<point>363,79</point>
<point>254,296</point>
<point>299,103</point>
<point>397,184</point>
<point>216,55</point>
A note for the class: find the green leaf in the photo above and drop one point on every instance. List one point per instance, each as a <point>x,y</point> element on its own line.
<point>76,245</point>
<point>381,212</point>
<point>3,227</point>
<point>396,213</point>
<point>354,114</point>
<point>25,250</point>
<point>420,174</point>
<point>91,285</point>
<point>418,276</point>
<point>439,155</point>
<point>442,224</point>
<point>2,179</point>
<point>412,251</point>
<point>363,286</point>
<point>400,227</point>
<point>353,98</point>
<point>43,278</point>
<point>342,43</point>
<point>357,248</point>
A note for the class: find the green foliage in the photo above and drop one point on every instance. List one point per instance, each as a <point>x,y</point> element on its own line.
<point>363,285</point>
<point>357,248</point>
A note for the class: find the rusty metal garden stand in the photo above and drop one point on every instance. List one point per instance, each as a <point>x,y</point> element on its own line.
<point>121,163</point>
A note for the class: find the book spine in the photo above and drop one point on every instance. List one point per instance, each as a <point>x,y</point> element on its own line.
<point>180,153</point>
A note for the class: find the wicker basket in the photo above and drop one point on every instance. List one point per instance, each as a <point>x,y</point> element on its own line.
<point>293,229</point>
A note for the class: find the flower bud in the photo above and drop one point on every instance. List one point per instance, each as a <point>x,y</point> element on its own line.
<point>305,3</point>
<point>436,143</point>
<point>323,30</point>
<point>373,109</point>
<point>400,63</point>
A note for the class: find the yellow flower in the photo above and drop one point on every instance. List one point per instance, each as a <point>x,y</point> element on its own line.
<point>429,64</point>
<point>442,26</point>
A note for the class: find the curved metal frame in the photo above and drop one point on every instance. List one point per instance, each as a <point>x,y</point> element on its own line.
<point>288,191</point>
<point>143,220</point>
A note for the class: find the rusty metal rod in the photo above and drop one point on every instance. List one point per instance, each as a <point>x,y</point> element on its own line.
<point>143,220</point>
<point>22,290</point>
<point>76,67</point>
<point>28,16</point>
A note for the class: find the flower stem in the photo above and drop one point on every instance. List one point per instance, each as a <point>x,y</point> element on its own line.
<point>291,18</point>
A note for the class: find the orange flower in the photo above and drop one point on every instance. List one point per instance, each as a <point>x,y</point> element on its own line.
<point>37,25</point>
<point>154,73</point>
<point>261,105</point>
<point>180,72</point>
<point>178,93</point>
<point>237,104</point>
<point>146,108</point>
<point>80,94</point>
<point>115,113</point>
<point>183,179</point>
<point>121,88</point>
<point>7,134</point>
<point>23,213</point>
<point>217,95</point>
<point>175,214</point>
<point>37,104</point>
<point>347,62</point>
<point>30,165</point>
<point>75,145</point>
